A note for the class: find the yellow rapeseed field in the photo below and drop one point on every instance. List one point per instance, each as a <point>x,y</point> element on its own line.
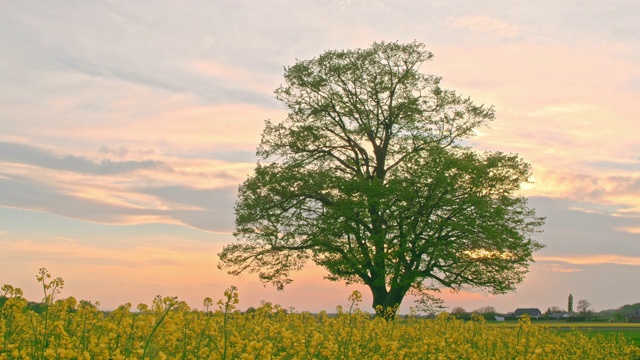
<point>169,329</point>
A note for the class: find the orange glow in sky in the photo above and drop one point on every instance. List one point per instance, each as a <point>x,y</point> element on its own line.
<point>126,128</point>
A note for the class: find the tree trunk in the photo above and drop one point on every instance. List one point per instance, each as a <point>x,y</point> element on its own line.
<point>386,303</point>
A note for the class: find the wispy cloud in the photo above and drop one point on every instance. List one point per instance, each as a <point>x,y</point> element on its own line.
<point>613,195</point>
<point>75,201</point>
<point>495,27</point>
<point>208,209</point>
<point>194,192</point>
<point>561,269</point>
<point>31,155</point>
<point>630,229</point>
<point>235,76</point>
<point>360,5</point>
<point>593,259</point>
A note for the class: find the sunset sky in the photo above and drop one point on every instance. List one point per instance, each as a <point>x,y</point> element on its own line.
<point>127,126</point>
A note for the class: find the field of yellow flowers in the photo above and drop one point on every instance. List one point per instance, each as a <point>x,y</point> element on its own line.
<point>169,329</point>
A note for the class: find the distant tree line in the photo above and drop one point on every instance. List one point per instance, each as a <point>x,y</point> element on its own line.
<point>584,312</point>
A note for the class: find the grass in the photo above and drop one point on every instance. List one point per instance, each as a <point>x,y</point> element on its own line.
<point>631,334</point>
<point>630,331</point>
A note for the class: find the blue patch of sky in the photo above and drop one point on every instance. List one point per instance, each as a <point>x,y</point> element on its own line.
<point>225,155</point>
<point>618,165</point>
<point>207,198</point>
<point>16,224</point>
<point>573,232</point>
<point>566,213</point>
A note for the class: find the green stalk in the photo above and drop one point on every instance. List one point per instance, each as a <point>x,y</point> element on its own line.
<point>146,345</point>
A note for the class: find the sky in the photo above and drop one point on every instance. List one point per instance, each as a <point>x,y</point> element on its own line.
<point>127,126</point>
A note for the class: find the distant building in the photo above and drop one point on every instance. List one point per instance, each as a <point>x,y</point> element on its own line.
<point>559,315</point>
<point>533,313</point>
<point>633,317</point>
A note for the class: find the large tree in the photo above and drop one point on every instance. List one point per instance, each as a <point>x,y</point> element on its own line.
<point>369,177</point>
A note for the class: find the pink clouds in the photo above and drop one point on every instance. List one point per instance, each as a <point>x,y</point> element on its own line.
<point>619,192</point>
<point>593,259</point>
<point>151,118</point>
<point>172,190</point>
<point>239,76</point>
<point>630,229</point>
<point>147,118</point>
<point>484,24</point>
<point>564,269</point>
<point>568,110</point>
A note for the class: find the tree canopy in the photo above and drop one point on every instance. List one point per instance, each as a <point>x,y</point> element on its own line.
<point>369,177</point>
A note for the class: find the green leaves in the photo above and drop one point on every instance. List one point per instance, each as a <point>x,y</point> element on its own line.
<point>367,177</point>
